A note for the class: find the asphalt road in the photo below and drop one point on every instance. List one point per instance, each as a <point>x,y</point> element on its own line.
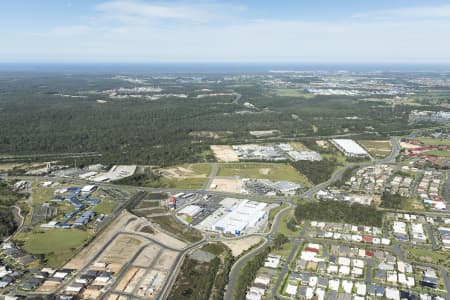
<point>266,236</point>
<point>240,262</point>
<point>337,175</point>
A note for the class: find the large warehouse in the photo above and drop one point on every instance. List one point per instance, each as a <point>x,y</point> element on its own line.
<point>349,147</point>
<point>245,214</point>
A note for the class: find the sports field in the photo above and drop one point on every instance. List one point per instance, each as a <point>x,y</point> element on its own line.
<point>57,245</point>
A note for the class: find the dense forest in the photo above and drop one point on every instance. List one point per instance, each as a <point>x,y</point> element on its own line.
<point>59,113</point>
<point>8,198</point>
<point>317,171</point>
<point>339,211</point>
<point>392,201</point>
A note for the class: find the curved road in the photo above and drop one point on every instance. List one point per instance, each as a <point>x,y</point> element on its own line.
<point>241,261</point>
<point>336,176</point>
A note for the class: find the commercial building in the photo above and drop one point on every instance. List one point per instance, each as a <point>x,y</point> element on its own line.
<point>243,215</point>
<point>190,211</point>
<point>304,155</point>
<point>349,147</point>
<point>88,188</point>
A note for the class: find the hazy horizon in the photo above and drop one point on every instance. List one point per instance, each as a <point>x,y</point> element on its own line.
<point>218,31</point>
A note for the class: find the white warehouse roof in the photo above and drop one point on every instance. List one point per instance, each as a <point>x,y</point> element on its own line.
<point>88,188</point>
<point>190,210</point>
<point>350,146</point>
<point>245,214</point>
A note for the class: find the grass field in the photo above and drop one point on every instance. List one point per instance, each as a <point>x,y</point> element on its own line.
<point>431,141</point>
<point>200,168</point>
<point>189,183</point>
<point>428,256</point>
<point>283,227</point>
<point>292,93</point>
<point>337,155</point>
<point>175,183</point>
<point>105,207</point>
<point>438,153</point>
<point>413,204</point>
<point>272,171</point>
<point>377,148</point>
<point>284,250</point>
<point>57,245</point>
<point>41,194</point>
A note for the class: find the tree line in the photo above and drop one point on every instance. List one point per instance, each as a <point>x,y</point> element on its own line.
<point>339,211</point>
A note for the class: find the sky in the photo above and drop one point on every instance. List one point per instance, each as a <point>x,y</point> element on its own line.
<point>225,31</point>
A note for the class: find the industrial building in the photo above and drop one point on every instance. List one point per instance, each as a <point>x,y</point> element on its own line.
<point>88,188</point>
<point>349,147</point>
<point>268,187</point>
<point>245,214</point>
<point>190,211</point>
<point>304,155</point>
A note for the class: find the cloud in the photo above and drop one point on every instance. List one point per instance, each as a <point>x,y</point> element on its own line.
<point>141,12</point>
<point>65,31</point>
<point>135,31</point>
<point>415,12</point>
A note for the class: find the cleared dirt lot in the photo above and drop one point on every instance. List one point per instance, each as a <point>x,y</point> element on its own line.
<point>224,153</point>
<point>228,185</point>
<point>323,144</point>
<point>147,256</point>
<point>165,260</point>
<point>85,255</point>
<point>120,251</point>
<point>239,246</point>
<point>409,146</point>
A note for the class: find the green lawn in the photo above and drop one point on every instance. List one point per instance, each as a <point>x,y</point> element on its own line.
<point>282,228</point>
<point>428,256</point>
<point>200,168</point>
<point>188,183</point>
<point>432,141</point>
<point>437,153</point>
<point>284,251</point>
<point>41,194</point>
<point>106,206</point>
<point>57,245</point>
<point>338,155</point>
<point>272,171</point>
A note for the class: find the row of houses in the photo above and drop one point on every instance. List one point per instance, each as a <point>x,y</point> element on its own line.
<point>415,233</point>
<point>313,258</point>
<point>370,179</point>
<point>428,190</point>
<point>350,233</point>
<point>338,195</point>
<point>258,288</point>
